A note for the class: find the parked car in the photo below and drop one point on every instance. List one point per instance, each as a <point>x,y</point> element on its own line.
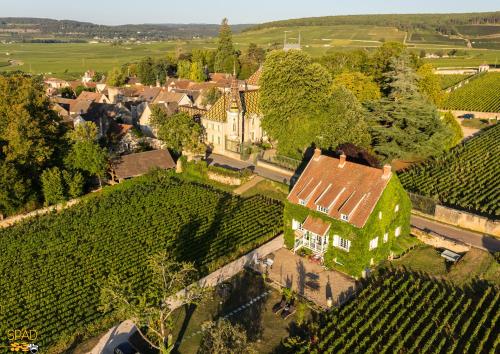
<point>468,116</point>
<point>125,348</point>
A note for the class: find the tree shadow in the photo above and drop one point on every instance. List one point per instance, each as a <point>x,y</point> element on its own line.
<point>246,287</point>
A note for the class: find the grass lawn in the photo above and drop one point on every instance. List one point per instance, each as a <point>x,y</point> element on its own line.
<point>268,188</point>
<point>477,123</point>
<point>474,264</point>
<point>264,329</point>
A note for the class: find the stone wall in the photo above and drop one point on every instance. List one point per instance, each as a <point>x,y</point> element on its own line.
<point>275,168</point>
<point>467,220</point>
<point>439,241</point>
<point>232,181</point>
<point>233,268</point>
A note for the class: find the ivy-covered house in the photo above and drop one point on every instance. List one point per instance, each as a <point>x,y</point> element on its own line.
<point>350,214</point>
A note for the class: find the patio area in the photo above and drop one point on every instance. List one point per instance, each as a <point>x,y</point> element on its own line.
<point>310,279</point>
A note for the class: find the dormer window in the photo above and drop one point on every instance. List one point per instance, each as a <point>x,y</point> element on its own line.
<point>344,217</point>
<point>322,209</point>
<point>302,202</point>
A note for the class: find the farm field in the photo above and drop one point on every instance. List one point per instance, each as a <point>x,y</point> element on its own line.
<point>465,177</point>
<point>400,311</point>
<point>52,266</point>
<point>59,59</point>
<point>482,94</point>
<point>450,80</point>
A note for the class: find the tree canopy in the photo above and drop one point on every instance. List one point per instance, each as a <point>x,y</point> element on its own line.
<point>404,124</point>
<point>180,132</point>
<point>225,55</point>
<point>31,139</point>
<point>361,85</point>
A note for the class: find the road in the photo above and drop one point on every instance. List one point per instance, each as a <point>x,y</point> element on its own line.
<point>224,161</point>
<point>478,240</point>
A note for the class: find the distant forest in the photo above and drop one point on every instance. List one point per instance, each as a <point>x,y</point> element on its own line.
<point>443,23</point>
<point>32,29</point>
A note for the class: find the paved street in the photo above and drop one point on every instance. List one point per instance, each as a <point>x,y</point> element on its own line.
<point>223,161</point>
<point>474,239</point>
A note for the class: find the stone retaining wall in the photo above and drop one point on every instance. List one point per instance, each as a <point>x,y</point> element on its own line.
<point>275,168</point>
<point>438,241</point>
<point>232,181</point>
<point>467,220</point>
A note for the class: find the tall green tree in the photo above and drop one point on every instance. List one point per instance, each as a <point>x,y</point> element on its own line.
<point>14,189</point>
<point>294,91</point>
<point>343,120</point>
<point>380,61</point>
<point>53,186</point>
<point>75,183</point>
<point>430,84</point>
<point>405,124</point>
<point>116,77</point>
<point>180,132</point>
<point>361,85</point>
<point>225,55</point>
<point>196,72</point>
<point>183,69</point>
<point>251,60</point>
<point>85,153</point>
<point>146,71</point>
<point>31,139</point>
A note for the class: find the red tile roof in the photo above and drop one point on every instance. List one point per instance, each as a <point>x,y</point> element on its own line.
<point>352,190</point>
<point>316,225</point>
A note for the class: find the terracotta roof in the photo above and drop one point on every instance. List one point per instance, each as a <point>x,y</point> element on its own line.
<point>90,96</point>
<point>133,165</point>
<point>352,190</point>
<point>221,78</point>
<point>147,93</point>
<point>255,78</point>
<point>166,97</point>
<point>249,101</point>
<point>316,225</point>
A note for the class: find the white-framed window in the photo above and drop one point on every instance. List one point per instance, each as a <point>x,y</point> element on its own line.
<point>386,237</point>
<point>212,138</point>
<point>396,208</point>
<point>341,243</point>
<point>344,217</point>
<point>373,243</point>
<point>296,225</point>
<point>218,140</point>
<point>398,231</point>
<point>322,209</point>
<point>302,202</point>
<point>380,215</point>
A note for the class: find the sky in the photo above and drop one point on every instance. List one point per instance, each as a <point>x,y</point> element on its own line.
<point>113,12</point>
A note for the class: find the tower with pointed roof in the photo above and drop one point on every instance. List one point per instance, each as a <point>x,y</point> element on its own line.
<point>234,109</point>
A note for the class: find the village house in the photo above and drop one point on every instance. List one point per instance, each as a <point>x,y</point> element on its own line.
<point>138,164</point>
<point>350,215</point>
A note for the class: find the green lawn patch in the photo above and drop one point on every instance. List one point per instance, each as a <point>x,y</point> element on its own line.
<point>264,328</point>
<point>268,188</point>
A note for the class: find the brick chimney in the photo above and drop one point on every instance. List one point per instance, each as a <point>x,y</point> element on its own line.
<point>317,153</point>
<point>342,160</point>
<point>387,171</point>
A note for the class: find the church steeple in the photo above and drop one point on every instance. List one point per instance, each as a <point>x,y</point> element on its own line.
<point>234,105</point>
